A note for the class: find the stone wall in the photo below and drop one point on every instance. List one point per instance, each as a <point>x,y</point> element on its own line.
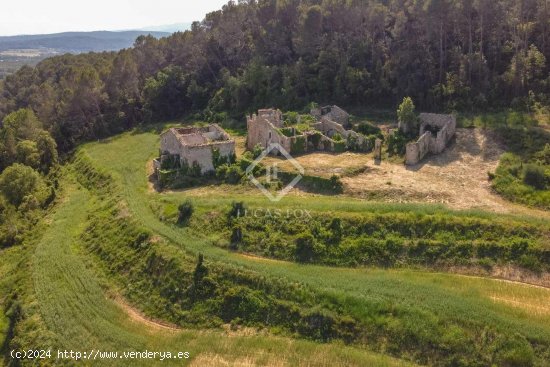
<point>330,128</point>
<point>174,143</point>
<point>436,131</point>
<point>203,154</point>
<point>333,113</point>
<point>263,130</point>
<point>417,151</point>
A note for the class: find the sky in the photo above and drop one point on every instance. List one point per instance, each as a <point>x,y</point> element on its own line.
<point>52,16</point>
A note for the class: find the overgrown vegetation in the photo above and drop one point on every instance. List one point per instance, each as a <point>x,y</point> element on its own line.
<point>523,174</point>
<point>390,240</point>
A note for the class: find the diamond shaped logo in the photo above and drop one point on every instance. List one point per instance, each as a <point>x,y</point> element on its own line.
<point>272,172</point>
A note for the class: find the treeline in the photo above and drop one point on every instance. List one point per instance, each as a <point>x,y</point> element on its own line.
<point>28,174</point>
<point>445,54</point>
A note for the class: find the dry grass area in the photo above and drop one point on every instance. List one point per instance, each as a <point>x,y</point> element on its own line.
<point>457,177</point>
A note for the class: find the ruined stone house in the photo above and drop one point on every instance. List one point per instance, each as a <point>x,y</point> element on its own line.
<point>190,145</point>
<point>332,113</point>
<point>267,126</point>
<point>436,131</point>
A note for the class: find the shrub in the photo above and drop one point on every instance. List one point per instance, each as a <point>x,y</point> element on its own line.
<point>234,174</point>
<point>291,117</point>
<point>185,211</point>
<point>397,143</point>
<point>339,146</point>
<point>170,162</point>
<point>218,159</point>
<point>514,351</point>
<point>236,237</point>
<point>367,129</point>
<point>221,172</point>
<point>530,262</point>
<point>287,131</point>
<point>195,170</point>
<point>305,247</point>
<point>238,209</point>
<point>298,145</point>
<point>534,176</point>
<point>315,139</point>
<point>336,184</point>
<point>257,151</point>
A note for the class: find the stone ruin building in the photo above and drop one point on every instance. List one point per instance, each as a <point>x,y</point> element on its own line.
<point>333,113</point>
<point>266,128</point>
<point>190,145</point>
<point>435,133</point>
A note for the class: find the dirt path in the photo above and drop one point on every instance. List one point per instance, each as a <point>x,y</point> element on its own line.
<point>138,317</point>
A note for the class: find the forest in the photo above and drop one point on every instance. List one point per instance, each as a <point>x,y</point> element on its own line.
<point>448,55</point>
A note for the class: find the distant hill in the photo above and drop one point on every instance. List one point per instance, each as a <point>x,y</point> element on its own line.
<point>76,42</point>
<point>171,28</point>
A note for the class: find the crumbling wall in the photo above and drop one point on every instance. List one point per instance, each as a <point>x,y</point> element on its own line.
<point>329,128</point>
<point>417,151</point>
<point>436,131</point>
<point>169,144</point>
<point>333,113</point>
<point>203,154</point>
<point>263,130</point>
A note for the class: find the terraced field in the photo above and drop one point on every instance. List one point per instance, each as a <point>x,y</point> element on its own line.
<point>450,299</point>
<point>81,307</point>
<point>81,312</point>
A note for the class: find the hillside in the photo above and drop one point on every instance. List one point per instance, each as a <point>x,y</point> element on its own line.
<point>285,183</point>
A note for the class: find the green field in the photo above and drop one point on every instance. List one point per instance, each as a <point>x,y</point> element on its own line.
<point>446,298</point>
<point>78,316</point>
<point>69,291</point>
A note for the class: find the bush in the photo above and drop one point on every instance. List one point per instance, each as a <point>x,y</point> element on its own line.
<point>234,174</point>
<point>287,131</point>
<point>185,211</point>
<point>305,247</point>
<point>291,117</point>
<point>339,146</point>
<point>534,176</point>
<point>238,209</point>
<point>530,262</point>
<point>397,143</point>
<point>298,145</point>
<point>367,129</point>
<point>257,151</point>
<point>515,351</point>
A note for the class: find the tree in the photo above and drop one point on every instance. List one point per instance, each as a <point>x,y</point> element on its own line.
<point>305,247</point>
<point>23,124</point>
<point>185,211</point>
<point>19,181</point>
<point>408,122</point>
<point>48,151</point>
<point>27,153</point>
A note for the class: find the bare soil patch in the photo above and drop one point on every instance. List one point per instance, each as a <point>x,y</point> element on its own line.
<point>137,316</point>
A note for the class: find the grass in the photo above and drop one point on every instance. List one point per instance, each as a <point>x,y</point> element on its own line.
<point>73,306</point>
<point>415,296</point>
